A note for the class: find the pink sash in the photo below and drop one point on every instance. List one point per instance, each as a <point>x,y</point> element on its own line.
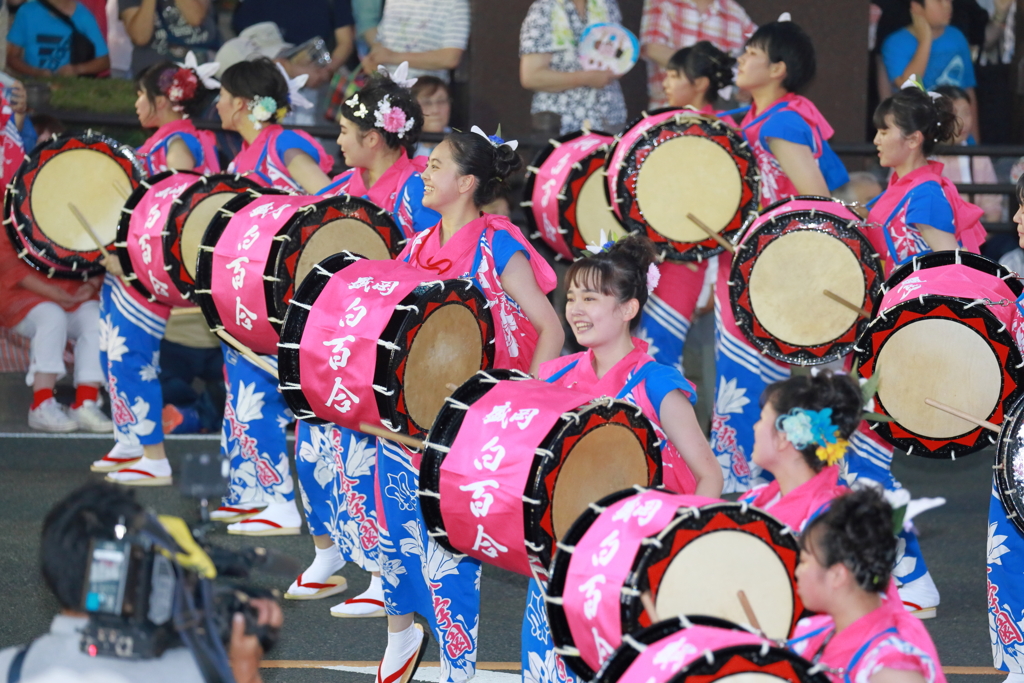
<point>803,503</point>
<point>154,150</point>
<point>384,192</point>
<point>468,254</point>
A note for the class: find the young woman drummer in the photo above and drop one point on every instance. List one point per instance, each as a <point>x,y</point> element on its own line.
<point>465,172</point>
<point>605,293</point>
<point>378,124</point>
<point>131,325</point>
<point>255,95</point>
<point>693,78</point>
<point>804,431</point>
<point>860,633</point>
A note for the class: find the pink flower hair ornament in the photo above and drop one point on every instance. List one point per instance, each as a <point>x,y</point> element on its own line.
<point>392,119</point>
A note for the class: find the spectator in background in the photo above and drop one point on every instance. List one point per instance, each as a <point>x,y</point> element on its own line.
<point>669,25</point>
<point>436,102</point>
<point>367,15</point>
<point>189,351</point>
<point>429,34</point>
<point>971,169</point>
<point>168,29</point>
<point>40,42</point>
<point>303,20</point>
<point>549,64</point>
<point>118,42</point>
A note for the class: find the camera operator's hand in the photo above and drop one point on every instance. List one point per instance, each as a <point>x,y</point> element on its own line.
<point>245,651</point>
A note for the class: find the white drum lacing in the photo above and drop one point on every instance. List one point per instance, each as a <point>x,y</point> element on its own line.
<point>634,643</point>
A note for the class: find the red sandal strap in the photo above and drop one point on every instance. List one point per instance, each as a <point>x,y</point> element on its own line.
<point>107,458</point>
<point>369,601</point>
<point>252,520</point>
<point>318,586</point>
<point>398,674</point>
<point>239,511</point>
<point>143,472</point>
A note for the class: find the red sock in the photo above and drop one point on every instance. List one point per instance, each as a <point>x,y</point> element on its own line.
<point>38,397</point>
<point>85,393</point>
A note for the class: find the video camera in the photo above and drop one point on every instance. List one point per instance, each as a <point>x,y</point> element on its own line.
<point>154,587</point>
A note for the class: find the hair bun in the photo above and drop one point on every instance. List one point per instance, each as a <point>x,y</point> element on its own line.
<point>506,163</point>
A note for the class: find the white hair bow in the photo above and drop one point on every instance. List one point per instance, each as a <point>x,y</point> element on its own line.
<point>401,75</point>
<point>784,17</point>
<point>912,83</point>
<point>294,86</point>
<point>495,140</point>
<point>205,72</point>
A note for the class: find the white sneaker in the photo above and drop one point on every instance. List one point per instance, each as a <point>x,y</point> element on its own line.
<point>143,472</point>
<point>119,457</point>
<point>920,597</point>
<point>51,416</point>
<point>91,419</point>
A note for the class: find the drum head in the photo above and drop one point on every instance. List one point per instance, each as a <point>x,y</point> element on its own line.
<point>90,171</point>
<point>727,548</point>
<point>780,275</point>
<point>329,227</point>
<point>1010,465</point>
<point>686,164</point>
<point>432,352</point>
<point>593,217</point>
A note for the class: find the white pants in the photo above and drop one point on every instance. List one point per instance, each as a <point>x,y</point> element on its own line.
<point>49,326</point>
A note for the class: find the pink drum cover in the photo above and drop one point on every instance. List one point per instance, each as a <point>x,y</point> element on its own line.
<point>602,561</point>
<point>793,205</point>
<point>550,182</point>
<point>338,350</point>
<point>665,658</point>
<point>240,259</point>
<point>145,241</point>
<point>959,281</point>
<point>622,148</point>
<point>484,476</point>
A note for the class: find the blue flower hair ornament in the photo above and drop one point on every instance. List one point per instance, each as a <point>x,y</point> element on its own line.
<point>804,427</point>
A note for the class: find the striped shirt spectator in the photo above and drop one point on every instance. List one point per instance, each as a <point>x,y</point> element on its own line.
<point>669,25</point>
<point>429,34</point>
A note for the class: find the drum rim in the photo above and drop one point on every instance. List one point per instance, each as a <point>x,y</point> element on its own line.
<point>281,251</point>
<point>124,226</point>
<point>400,324</point>
<point>937,259</point>
<point>692,251</point>
<point>180,209</point>
<point>631,610</point>
<point>30,256</point>
<point>804,355</point>
<point>288,363</point>
<point>561,634</point>
<point>864,352</point>
<point>40,254</point>
<point>438,441</point>
<point>1006,488</point>
<point>531,181</point>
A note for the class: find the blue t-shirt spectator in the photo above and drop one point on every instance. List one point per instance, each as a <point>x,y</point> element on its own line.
<point>46,40</point>
<point>949,62</point>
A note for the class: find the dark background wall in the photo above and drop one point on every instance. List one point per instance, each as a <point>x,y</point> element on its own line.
<point>839,29</point>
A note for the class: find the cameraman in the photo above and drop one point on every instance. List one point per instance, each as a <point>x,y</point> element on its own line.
<point>90,513</point>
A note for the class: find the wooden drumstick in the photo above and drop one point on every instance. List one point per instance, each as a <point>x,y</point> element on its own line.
<point>248,353</point>
<point>120,191</point>
<point>748,610</point>
<point>862,312</point>
<point>962,415</point>
<point>724,243</point>
<point>88,229</point>
<point>647,600</point>
<point>188,310</point>
<point>451,387</point>
<point>405,440</point>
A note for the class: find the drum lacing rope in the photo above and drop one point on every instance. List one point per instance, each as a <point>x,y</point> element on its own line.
<point>435,446</point>
<point>956,256</point>
<point>764,649</point>
<point>709,656</point>
<point>597,508</point>
<point>300,305</point>
<point>431,283</point>
<point>652,540</point>
<point>456,403</point>
<point>322,271</point>
<point>532,546</point>
<point>389,346</point>
<point>411,307</point>
<point>23,252</point>
<point>203,247</point>
<point>430,494</point>
<point>630,592</point>
<point>565,548</point>
<point>126,210</point>
<point>526,204</point>
<point>466,281</point>
<point>226,212</point>
<point>281,238</point>
<point>744,506</point>
<point>570,416</point>
<point>133,277</point>
<point>307,208</point>
<point>291,386</point>
<point>577,166</point>
<point>275,321</point>
<point>544,453</point>
<point>565,651</point>
<point>306,414</point>
<point>484,377</point>
<point>532,501</point>
<point>383,390</point>
<point>684,622</point>
<point>634,643</point>
<point>271,278</point>
<point>533,169</point>
<point>554,143</point>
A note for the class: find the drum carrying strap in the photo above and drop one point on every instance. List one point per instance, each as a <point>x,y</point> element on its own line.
<point>639,376</point>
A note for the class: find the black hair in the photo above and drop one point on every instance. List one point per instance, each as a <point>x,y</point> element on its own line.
<point>914,110</point>
<point>857,531</point>
<point>824,390</point>
<point>156,81</point>
<point>620,272</point>
<point>258,77</point>
<point>370,97</point>
<point>90,512</point>
<point>953,92</point>
<point>428,85</point>
<point>490,163</point>
<point>704,59</point>
<point>784,41</point>
<point>46,123</point>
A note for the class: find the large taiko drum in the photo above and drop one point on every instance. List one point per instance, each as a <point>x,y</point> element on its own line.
<point>88,170</point>
<point>161,225</point>
<point>371,341</point>
<point>676,162</point>
<point>566,202</point>
<point>792,253</point>
<point>262,243</point>
<point>700,649</point>
<point>511,462</point>
<point>942,331</point>
<point>1009,465</point>
<point>693,553</point>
